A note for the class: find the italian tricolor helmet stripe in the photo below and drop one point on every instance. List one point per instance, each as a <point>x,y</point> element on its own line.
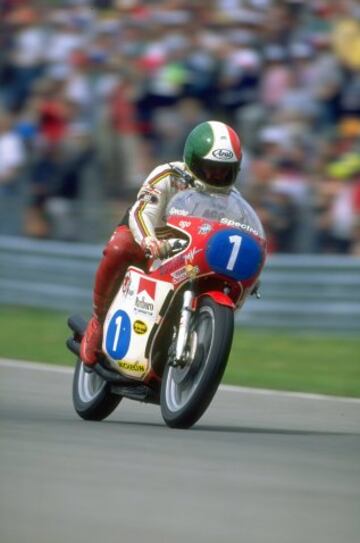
<point>235,142</point>
<point>225,143</point>
<point>214,140</point>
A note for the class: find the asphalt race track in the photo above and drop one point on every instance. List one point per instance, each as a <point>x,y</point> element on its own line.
<point>257,468</point>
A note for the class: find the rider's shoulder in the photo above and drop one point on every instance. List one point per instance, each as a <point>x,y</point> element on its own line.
<point>166,168</point>
<point>163,172</point>
<point>177,164</point>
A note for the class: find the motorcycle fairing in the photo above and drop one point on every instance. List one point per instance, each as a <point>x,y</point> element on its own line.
<point>235,254</point>
<point>130,320</point>
<point>219,297</point>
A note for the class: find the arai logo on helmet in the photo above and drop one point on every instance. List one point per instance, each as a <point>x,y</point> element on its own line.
<point>223,154</point>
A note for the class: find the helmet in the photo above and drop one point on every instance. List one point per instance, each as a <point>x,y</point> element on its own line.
<point>213,155</point>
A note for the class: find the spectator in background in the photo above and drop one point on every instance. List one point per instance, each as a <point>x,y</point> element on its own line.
<point>328,82</point>
<point>52,116</point>
<point>27,55</point>
<point>95,85</point>
<point>65,37</point>
<point>239,80</point>
<point>173,125</point>
<point>12,160</point>
<point>290,190</point>
<point>257,190</point>
<point>75,155</point>
<point>284,220</point>
<point>343,210</point>
<point>129,153</point>
<point>276,77</point>
<point>201,67</point>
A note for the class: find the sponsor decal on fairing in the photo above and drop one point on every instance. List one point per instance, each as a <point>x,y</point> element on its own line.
<point>126,286</point>
<point>144,301</point>
<point>130,321</point>
<point>180,261</point>
<point>205,229</point>
<point>186,272</point>
<point>140,368</point>
<point>190,255</point>
<point>140,327</point>
<point>179,212</point>
<point>184,224</point>
<point>243,226</point>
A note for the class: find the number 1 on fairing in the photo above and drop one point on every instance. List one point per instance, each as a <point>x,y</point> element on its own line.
<point>118,322</point>
<point>236,241</point>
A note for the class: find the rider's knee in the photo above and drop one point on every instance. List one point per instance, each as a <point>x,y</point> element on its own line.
<point>121,246</point>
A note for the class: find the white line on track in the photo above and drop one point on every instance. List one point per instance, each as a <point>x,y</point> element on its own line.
<point>37,366</point>
<point>40,366</point>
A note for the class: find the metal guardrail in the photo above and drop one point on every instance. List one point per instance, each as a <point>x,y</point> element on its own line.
<point>299,292</point>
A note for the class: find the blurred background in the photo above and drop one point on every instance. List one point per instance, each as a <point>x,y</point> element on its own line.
<point>95,93</point>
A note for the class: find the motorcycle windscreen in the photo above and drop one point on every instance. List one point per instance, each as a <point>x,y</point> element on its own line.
<point>235,254</point>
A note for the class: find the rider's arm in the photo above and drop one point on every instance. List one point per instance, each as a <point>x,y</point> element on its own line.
<point>151,202</point>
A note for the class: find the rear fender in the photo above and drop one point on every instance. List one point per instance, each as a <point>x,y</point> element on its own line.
<point>219,297</point>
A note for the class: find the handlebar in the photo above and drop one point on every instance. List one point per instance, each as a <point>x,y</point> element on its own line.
<point>175,246</point>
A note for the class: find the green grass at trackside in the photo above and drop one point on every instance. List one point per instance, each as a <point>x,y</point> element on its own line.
<point>34,334</point>
<point>325,364</point>
<point>328,364</point>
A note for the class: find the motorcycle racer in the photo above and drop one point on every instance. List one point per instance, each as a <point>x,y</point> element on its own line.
<point>211,162</point>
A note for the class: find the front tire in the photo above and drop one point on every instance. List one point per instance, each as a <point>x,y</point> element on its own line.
<point>92,398</point>
<point>186,392</point>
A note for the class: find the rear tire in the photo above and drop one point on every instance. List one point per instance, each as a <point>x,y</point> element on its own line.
<point>186,392</point>
<point>92,397</point>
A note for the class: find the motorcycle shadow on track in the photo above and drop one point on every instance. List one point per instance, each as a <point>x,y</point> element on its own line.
<point>222,429</point>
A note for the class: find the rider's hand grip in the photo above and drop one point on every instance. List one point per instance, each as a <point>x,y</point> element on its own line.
<point>175,245</point>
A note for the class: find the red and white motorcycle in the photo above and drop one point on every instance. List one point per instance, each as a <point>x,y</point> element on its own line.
<point>169,330</point>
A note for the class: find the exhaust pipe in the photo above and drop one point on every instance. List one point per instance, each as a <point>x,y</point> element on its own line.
<point>77,324</point>
<point>73,346</point>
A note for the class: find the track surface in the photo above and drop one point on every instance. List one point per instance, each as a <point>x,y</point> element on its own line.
<point>256,468</point>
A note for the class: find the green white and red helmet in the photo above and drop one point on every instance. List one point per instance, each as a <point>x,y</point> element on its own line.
<point>213,154</point>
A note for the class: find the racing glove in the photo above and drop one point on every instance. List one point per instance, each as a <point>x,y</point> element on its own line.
<point>155,248</point>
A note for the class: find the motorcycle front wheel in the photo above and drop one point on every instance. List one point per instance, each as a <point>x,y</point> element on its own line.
<point>92,398</point>
<point>187,390</point>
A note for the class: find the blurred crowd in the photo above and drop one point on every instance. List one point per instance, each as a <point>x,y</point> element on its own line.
<point>94,94</point>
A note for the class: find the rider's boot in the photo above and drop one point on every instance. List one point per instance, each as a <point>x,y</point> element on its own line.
<point>91,342</point>
<point>119,252</point>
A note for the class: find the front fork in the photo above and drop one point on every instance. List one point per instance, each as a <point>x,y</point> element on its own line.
<point>184,327</point>
<point>180,353</point>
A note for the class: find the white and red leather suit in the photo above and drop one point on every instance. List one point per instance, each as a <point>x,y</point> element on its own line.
<point>127,245</point>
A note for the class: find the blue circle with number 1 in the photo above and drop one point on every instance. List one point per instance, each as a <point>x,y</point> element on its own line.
<point>234,253</point>
<point>118,335</point>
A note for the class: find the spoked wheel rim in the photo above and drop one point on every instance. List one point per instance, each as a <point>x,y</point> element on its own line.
<point>182,382</point>
<point>90,385</point>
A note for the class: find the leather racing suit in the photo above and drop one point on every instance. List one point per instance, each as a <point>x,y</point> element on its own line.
<point>127,246</point>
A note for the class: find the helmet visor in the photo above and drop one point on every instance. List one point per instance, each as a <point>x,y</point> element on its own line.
<point>214,173</point>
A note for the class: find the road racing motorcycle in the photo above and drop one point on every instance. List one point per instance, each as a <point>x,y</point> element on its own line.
<point>168,332</point>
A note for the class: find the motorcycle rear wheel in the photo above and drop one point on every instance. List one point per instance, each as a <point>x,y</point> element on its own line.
<point>186,392</point>
<point>92,398</point>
